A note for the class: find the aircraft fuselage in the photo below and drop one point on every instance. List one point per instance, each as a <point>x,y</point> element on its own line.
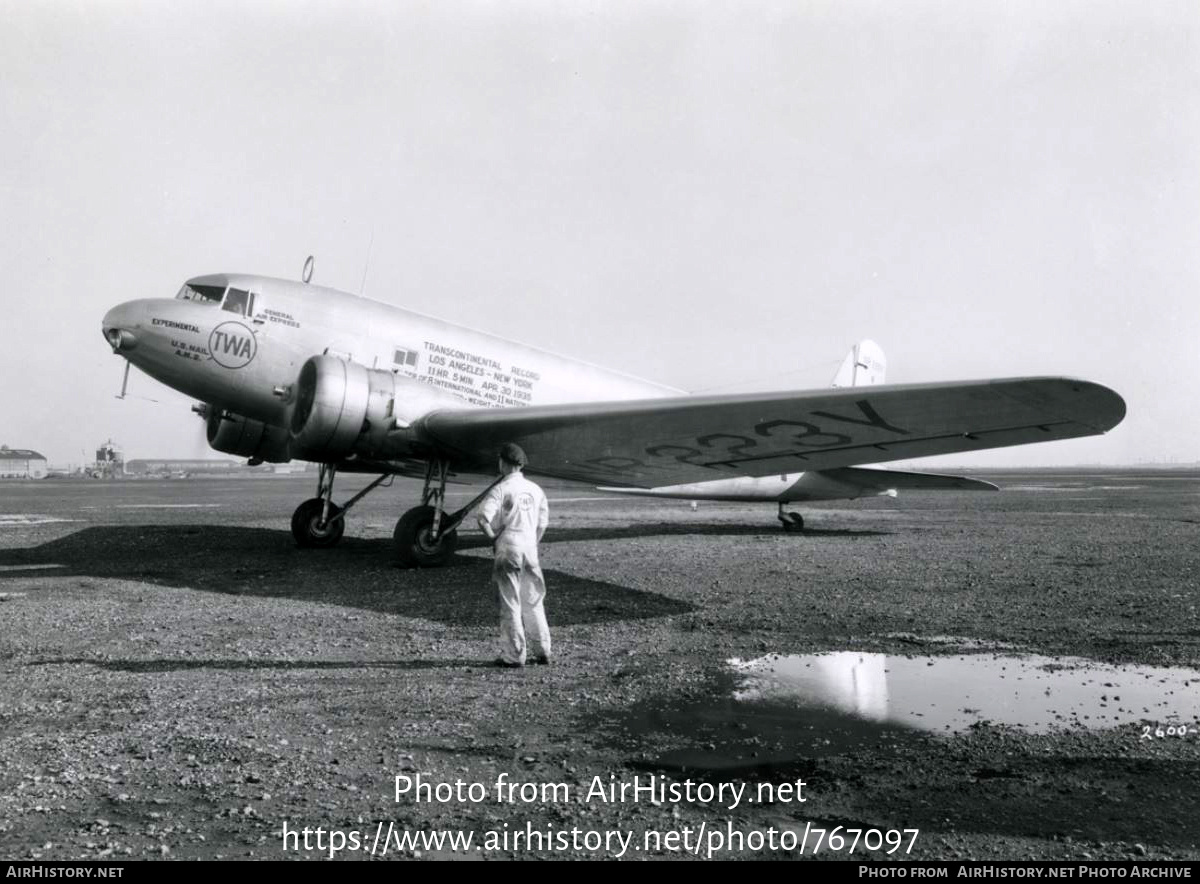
<point>245,354</point>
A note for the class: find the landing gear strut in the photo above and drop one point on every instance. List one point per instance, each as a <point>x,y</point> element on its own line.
<point>319,522</point>
<point>791,521</point>
<point>426,535</point>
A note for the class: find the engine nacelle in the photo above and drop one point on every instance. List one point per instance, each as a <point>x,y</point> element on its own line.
<point>233,434</point>
<point>341,407</point>
<point>345,408</point>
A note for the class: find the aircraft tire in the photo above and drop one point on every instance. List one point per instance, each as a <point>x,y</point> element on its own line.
<point>306,527</point>
<point>413,545</point>
<point>792,522</point>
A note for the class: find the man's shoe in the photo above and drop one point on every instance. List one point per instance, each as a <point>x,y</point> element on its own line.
<point>542,660</point>
<point>504,664</point>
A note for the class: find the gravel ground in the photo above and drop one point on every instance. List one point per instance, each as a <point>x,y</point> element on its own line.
<point>186,683</point>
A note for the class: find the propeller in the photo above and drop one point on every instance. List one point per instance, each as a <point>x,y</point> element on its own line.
<point>125,386</point>
<point>125,380</point>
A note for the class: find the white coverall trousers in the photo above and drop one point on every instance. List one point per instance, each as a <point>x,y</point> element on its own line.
<point>520,590</point>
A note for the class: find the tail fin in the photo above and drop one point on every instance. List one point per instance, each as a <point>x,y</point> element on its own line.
<point>863,366</point>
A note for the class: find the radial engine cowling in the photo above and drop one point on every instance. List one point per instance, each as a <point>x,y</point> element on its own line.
<point>233,434</point>
<point>341,407</point>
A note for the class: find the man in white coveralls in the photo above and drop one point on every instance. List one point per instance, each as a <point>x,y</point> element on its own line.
<point>514,516</point>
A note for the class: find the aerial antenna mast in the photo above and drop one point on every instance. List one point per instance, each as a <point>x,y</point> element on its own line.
<point>367,264</point>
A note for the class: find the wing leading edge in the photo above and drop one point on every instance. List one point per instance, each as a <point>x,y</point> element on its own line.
<point>654,442</point>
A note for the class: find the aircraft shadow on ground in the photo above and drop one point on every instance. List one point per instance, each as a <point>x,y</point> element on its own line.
<point>258,562</point>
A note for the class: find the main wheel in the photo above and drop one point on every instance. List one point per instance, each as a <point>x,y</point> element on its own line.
<point>415,545</point>
<point>792,521</point>
<point>307,527</point>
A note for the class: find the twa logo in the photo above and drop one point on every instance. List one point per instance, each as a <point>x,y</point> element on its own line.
<point>232,345</point>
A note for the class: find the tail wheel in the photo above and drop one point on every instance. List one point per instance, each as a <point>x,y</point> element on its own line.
<point>307,526</point>
<point>414,541</point>
<point>791,521</point>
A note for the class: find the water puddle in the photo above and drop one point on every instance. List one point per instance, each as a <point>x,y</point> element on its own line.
<point>949,694</point>
<point>781,709</point>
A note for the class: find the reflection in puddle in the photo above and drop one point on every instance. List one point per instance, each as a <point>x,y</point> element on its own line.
<point>784,710</point>
<point>949,694</point>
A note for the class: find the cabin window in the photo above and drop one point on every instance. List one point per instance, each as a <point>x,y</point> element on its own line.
<point>405,359</point>
<point>210,294</point>
<point>239,301</point>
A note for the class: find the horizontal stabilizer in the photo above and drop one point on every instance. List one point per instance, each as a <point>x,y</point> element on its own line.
<point>884,480</point>
<point>842,483</point>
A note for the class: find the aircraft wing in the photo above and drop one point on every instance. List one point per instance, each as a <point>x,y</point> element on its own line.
<point>647,443</point>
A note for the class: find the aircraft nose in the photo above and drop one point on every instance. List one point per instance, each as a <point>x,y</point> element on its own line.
<point>117,327</point>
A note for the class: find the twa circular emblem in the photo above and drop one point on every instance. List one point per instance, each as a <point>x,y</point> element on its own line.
<point>232,345</point>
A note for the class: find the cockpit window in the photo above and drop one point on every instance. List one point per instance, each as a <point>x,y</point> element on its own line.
<point>211,294</point>
<point>238,301</point>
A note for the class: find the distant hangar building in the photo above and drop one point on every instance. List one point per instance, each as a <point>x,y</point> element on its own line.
<point>21,463</point>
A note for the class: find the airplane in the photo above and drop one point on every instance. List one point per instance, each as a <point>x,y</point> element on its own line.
<point>286,369</point>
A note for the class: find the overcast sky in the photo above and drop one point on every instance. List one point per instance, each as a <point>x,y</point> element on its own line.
<point>713,195</point>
